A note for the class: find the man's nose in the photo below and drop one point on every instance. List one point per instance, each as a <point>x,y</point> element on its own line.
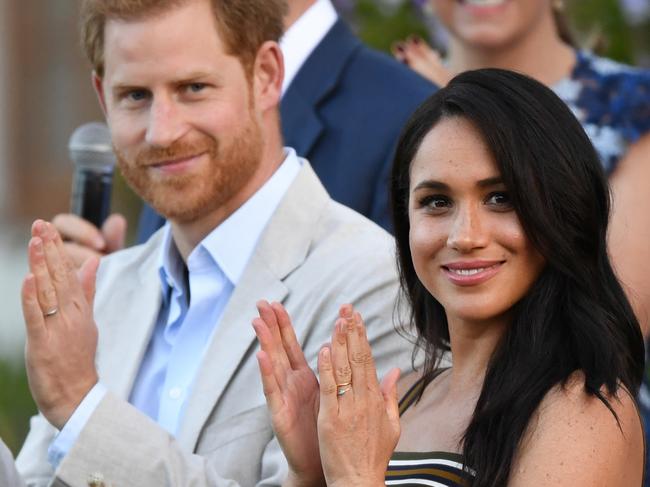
<point>467,231</point>
<point>165,123</point>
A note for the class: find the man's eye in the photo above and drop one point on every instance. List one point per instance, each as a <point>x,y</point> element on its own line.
<point>195,87</point>
<point>500,199</point>
<point>137,95</point>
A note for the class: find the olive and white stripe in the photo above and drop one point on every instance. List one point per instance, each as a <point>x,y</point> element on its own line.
<point>435,469</point>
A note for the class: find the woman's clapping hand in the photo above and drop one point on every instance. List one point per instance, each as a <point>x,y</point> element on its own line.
<point>358,421</point>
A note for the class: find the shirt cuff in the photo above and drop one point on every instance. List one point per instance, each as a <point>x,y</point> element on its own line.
<point>67,437</point>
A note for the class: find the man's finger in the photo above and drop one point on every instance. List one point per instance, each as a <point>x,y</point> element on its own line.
<point>88,278</point>
<point>292,347</point>
<point>78,254</point>
<point>272,391</point>
<point>59,273</point>
<point>34,320</point>
<point>268,316</point>
<point>37,228</point>
<point>69,266</point>
<point>271,347</point>
<point>114,232</point>
<point>46,295</point>
<point>80,231</point>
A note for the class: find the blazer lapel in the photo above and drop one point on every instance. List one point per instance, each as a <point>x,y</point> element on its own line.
<point>316,79</point>
<point>138,300</point>
<point>280,250</point>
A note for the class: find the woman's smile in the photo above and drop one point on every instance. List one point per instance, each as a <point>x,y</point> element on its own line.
<point>471,273</point>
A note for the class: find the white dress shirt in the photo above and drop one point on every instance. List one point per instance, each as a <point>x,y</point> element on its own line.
<point>188,318</point>
<point>302,37</point>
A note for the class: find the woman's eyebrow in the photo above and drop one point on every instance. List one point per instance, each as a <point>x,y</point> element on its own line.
<point>431,184</point>
<point>492,181</point>
<point>440,186</point>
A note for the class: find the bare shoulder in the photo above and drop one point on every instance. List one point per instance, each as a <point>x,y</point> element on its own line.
<point>407,381</point>
<point>575,440</point>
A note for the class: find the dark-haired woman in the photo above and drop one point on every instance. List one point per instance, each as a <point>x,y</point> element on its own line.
<point>500,211</point>
<point>611,100</point>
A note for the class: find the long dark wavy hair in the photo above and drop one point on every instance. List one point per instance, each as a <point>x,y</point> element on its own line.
<point>575,317</point>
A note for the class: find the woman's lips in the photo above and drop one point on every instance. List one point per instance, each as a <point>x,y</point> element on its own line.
<point>471,273</point>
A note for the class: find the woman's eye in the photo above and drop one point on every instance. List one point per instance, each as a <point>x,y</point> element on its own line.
<point>500,199</point>
<point>435,202</point>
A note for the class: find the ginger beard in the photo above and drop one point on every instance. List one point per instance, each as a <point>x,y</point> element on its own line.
<point>187,197</point>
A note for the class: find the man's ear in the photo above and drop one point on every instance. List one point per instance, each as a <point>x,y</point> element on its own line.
<point>99,90</point>
<point>268,74</point>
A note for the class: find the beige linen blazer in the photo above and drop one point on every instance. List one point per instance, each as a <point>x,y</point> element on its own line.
<point>314,255</point>
<point>8,475</point>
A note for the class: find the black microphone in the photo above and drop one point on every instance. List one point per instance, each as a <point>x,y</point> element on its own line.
<point>94,160</point>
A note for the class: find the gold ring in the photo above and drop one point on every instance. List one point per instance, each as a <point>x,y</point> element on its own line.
<point>51,312</point>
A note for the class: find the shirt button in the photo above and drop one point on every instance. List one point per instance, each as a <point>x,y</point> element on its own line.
<point>175,392</point>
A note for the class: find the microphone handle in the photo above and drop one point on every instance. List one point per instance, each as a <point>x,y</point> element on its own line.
<point>91,195</point>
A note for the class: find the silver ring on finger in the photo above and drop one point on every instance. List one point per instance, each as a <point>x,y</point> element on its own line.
<point>51,312</point>
<point>343,388</point>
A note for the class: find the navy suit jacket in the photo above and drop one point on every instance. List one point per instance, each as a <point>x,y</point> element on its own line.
<point>343,112</point>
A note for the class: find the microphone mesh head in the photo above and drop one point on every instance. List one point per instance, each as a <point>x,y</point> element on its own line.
<point>90,147</point>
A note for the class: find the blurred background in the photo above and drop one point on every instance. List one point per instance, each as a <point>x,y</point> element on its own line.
<point>45,93</point>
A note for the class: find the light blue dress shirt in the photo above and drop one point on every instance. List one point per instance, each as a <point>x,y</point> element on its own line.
<point>190,312</point>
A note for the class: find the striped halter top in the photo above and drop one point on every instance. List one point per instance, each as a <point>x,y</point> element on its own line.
<point>435,469</point>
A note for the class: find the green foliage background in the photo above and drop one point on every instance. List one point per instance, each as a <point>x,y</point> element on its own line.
<point>595,21</point>
<point>598,24</point>
<point>16,405</point>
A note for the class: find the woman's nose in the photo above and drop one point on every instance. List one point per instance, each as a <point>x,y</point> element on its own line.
<point>467,231</point>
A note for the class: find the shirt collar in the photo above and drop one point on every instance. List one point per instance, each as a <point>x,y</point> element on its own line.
<point>302,37</point>
<point>171,267</point>
<point>230,245</point>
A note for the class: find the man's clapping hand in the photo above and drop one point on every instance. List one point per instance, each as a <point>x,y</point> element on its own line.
<point>61,333</point>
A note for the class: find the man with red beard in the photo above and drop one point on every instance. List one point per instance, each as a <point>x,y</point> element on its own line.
<point>165,389</point>
<point>343,106</point>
